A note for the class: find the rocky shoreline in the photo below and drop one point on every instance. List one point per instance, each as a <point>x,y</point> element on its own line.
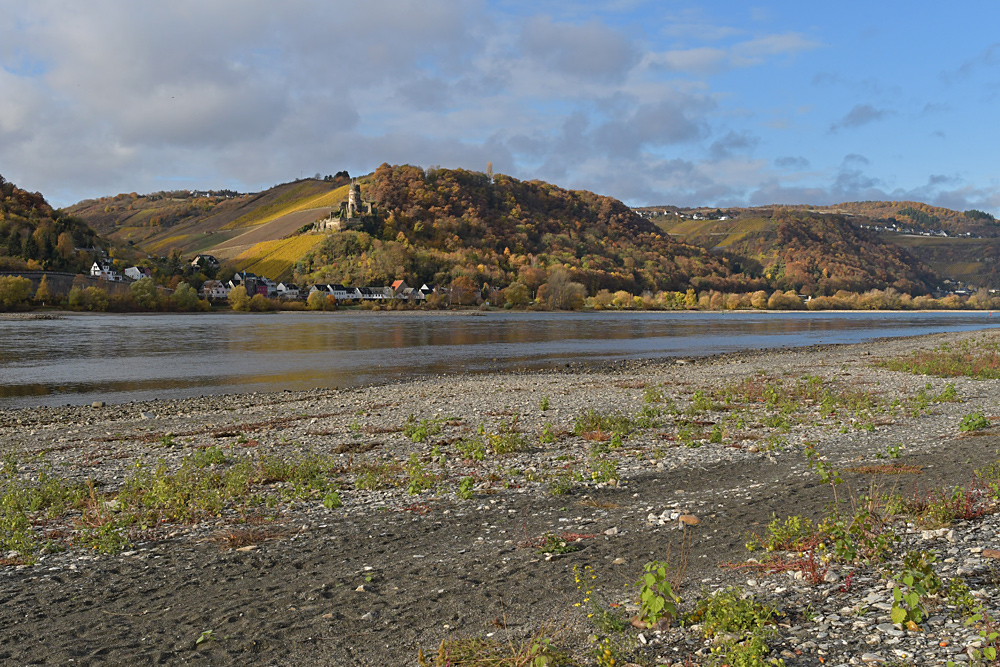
<point>449,507</point>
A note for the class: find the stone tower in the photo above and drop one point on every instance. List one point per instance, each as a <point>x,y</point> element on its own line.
<point>353,199</point>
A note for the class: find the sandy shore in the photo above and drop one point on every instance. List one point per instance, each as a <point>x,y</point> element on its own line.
<point>439,531</point>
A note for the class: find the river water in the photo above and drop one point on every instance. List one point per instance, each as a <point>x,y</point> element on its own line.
<point>120,358</point>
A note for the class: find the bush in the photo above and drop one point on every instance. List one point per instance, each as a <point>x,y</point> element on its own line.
<point>14,292</point>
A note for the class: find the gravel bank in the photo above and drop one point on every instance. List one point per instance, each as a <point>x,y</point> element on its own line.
<point>392,571</point>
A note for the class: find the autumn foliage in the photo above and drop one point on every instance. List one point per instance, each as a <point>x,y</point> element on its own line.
<point>434,226</point>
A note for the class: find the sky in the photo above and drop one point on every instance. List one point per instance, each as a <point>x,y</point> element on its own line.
<point>717,103</point>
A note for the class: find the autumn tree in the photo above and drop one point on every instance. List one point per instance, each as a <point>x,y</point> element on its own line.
<point>238,299</point>
<point>516,295</point>
<point>14,292</point>
<point>43,293</point>
<point>144,293</point>
<point>463,290</point>
<point>560,293</point>
<point>316,300</point>
<point>185,297</point>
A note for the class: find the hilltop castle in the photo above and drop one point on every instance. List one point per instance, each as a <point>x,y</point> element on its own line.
<point>350,214</point>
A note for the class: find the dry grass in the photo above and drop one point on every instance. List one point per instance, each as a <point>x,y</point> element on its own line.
<point>887,469</point>
<point>236,538</point>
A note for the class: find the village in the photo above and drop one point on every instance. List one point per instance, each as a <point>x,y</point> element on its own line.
<point>219,290</point>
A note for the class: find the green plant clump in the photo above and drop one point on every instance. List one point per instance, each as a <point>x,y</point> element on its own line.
<point>974,422</point>
<point>657,599</point>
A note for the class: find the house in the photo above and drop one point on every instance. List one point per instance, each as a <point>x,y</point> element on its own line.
<point>287,291</point>
<point>104,271</point>
<point>374,293</point>
<point>137,273</point>
<point>399,288</point>
<point>411,294</point>
<point>205,262</point>
<point>213,290</point>
<point>341,293</point>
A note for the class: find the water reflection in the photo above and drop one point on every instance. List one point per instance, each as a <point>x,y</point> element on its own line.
<point>117,358</point>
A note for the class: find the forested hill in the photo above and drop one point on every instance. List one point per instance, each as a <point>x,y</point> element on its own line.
<point>922,217</point>
<point>33,235</point>
<point>433,226</point>
<point>812,253</point>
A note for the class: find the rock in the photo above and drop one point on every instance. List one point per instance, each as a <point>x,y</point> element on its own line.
<point>872,657</point>
<point>831,577</point>
<point>618,561</point>
<point>990,553</point>
<point>368,616</point>
<point>611,531</point>
<point>360,589</point>
<point>97,404</point>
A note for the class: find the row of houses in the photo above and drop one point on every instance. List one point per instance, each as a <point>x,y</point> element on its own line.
<point>216,290</point>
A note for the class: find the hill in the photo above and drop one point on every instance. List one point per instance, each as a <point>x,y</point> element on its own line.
<point>33,235</point>
<point>196,222</point>
<point>812,253</point>
<point>967,253</point>
<point>436,225</point>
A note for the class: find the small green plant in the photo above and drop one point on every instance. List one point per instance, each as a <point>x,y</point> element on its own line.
<point>948,395</point>
<point>716,435</point>
<point>332,500</point>
<point>507,439</point>
<point>544,403</point>
<point>562,483</point>
<point>741,625</point>
<point>959,595</point>
<point>788,535</point>
<point>657,599</point>
<point>465,488</point>
<point>471,448</point>
<point>603,471</point>
<point>167,441</point>
<point>895,451</point>
<point>419,479</point>
<point>974,422</point>
<point>206,636</point>
<point>920,580</point>
<point>700,402</point>
<point>554,544</point>
<point>595,422</point>
<point>209,456</point>
<point>419,431</point>
<point>548,435</point>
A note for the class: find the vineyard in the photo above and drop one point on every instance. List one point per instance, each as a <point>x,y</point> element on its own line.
<point>305,195</point>
<point>276,259</point>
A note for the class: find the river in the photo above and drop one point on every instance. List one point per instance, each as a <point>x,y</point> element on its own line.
<point>119,358</point>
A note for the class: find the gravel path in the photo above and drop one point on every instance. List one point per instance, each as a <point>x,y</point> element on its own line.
<point>293,581</point>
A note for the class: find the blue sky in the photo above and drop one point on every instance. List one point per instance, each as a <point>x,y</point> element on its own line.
<point>686,103</point>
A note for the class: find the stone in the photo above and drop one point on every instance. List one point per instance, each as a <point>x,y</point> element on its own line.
<point>97,404</point>
<point>872,657</point>
<point>990,553</point>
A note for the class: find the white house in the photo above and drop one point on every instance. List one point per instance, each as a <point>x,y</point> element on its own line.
<point>287,291</point>
<point>214,290</point>
<point>136,273</point>
<point>106,272</point>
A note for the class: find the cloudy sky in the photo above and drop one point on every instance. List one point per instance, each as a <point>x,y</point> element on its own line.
<point>660,102</point>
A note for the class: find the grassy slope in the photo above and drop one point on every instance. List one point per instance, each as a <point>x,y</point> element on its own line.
<point>159,224</point>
